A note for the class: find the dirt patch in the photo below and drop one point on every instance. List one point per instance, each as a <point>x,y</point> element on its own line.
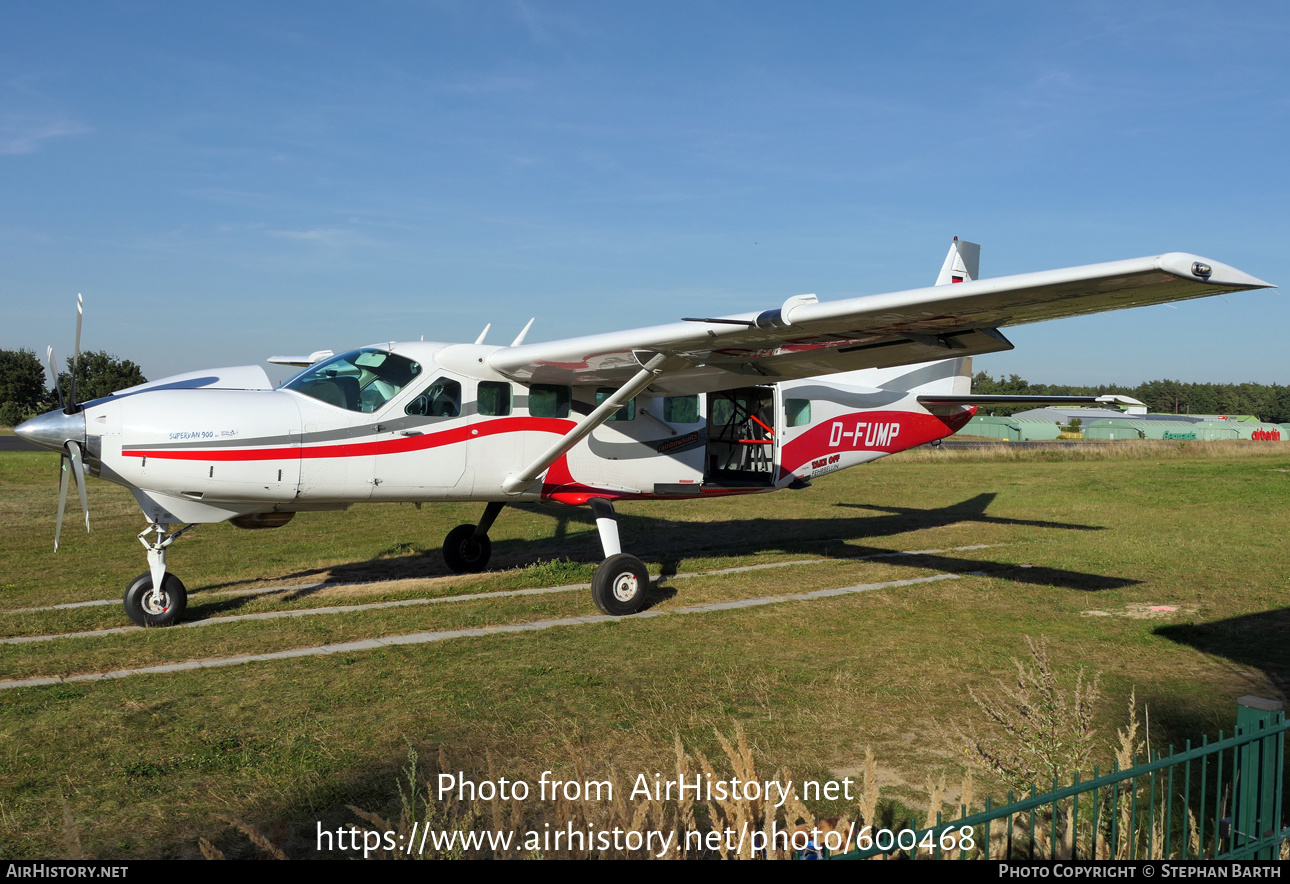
<point>1139,611</point>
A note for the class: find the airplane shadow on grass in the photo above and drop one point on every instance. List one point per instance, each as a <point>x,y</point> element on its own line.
<point>668,542</point>
<point>1255,640</point>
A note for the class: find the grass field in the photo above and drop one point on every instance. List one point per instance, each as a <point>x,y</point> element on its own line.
<point>1073,546</point>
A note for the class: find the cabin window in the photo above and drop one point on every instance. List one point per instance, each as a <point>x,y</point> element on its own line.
<point>494,399</point>
<point>797,412</point>
<point>626,413</point>
<point>681,409</point>
<point>549,400</point>
<point>440,399</point>
<point>363,380</point>
<point>723,412</point>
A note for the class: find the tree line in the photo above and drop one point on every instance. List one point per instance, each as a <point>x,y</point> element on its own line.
<point>22,382</point>
<point>1267,402</point>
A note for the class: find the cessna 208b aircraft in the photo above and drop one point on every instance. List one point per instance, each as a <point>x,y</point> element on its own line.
<point>702,407</point>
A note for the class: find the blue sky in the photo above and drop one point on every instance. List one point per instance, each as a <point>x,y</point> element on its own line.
<point>228,181</point>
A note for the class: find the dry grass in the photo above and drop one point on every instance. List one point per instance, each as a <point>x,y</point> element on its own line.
<point>1144,449</point>
<point>1043,733</point>
<point>684,820</point>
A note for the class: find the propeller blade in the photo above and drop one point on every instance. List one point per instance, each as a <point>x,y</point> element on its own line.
<point>76,355</point>
<point>53,373</point>
<point>78,473</point>
<point>64,469</point>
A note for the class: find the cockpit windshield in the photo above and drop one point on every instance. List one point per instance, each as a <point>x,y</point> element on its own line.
<point>363,380</point>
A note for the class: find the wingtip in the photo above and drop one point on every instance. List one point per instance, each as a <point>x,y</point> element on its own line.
<point>1188,266</point>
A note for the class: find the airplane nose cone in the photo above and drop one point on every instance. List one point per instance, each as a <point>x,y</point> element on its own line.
<point>53,429</point>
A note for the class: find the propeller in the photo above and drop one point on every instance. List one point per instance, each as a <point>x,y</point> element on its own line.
<point>53,373</point>
<point>71,462</point>
<point>76,357</point>
<point>64,432</point>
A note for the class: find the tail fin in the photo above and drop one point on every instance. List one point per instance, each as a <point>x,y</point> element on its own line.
<point>961,264</point>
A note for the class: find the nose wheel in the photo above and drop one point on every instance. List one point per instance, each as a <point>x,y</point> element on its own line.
<point>149,607</point>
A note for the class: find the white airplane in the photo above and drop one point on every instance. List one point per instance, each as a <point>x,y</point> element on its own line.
<point>699,408</point>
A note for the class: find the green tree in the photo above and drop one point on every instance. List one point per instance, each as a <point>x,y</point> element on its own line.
<point>99,374</point>
<point>1269,402</point>
<point>1280,407</point>
<point>22,385</point>
<point>985,385</point>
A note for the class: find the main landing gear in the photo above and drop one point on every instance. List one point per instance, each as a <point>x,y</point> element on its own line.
<point>466,549</point>
<point>144,603</point>
<point>619,587</point>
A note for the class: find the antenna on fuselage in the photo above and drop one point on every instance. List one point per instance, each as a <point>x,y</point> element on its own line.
<point>519,339</point>
<point>483,334</point>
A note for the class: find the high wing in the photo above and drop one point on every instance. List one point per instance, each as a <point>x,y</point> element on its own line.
<point>805,337</point>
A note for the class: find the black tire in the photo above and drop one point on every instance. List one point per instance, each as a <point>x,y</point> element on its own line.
<point>620,585</point>
<point>146,612</point>
<point>463,554</point>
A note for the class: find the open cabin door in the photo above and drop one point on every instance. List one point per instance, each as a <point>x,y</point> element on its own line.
<point>741,437</point>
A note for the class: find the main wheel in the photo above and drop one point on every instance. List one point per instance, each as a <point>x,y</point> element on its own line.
<point>463,554</point>
<point>620,585</point>
<point>148,609</point>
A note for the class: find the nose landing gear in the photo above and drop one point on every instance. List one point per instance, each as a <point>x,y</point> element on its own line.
<point>156,598</point>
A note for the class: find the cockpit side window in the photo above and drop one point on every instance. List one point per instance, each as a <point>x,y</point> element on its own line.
<point>440,399</point>
<point>363,380</point>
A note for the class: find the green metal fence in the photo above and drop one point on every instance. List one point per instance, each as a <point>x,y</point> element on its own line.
<point>1219,800</point>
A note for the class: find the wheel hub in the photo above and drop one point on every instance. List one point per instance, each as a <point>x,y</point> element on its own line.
<point>156,602</point>
<point>625,587</point>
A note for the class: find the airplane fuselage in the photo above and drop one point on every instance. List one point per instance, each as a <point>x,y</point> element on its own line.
<point>455,431</point>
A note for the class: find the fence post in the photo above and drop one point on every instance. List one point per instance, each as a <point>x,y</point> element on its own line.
<point>1256,805</point>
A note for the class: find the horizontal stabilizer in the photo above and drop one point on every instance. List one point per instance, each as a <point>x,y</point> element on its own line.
<point>1003,399</point>
<point>303,361</point>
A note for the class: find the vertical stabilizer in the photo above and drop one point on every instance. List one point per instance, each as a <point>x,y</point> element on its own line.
<point>961,264</point>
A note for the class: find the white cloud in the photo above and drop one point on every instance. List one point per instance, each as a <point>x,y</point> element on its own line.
<point>328,237</point>
<point>20,135</point>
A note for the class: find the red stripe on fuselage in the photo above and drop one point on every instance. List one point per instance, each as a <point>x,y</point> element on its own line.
<point>396,445</point>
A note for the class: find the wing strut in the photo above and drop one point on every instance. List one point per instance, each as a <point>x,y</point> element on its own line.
<point>656,364</point>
